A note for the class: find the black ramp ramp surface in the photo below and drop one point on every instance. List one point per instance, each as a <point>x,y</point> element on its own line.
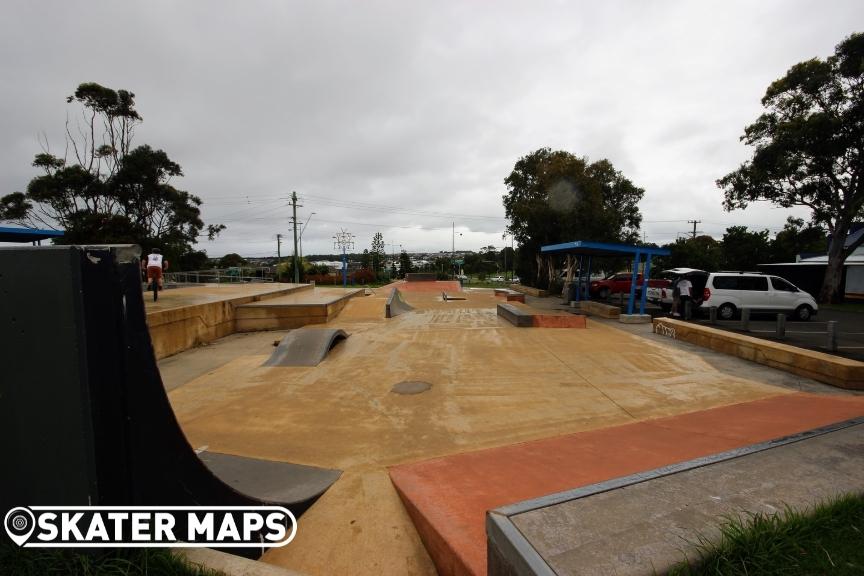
<point>108,424</point>
<point>305,346</point>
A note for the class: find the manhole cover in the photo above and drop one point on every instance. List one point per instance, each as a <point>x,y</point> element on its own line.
<point>411,387</point>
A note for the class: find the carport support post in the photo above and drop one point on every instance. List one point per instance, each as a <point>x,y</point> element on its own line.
<point>632,299</point>
<point>587,292</point>
<point>578,281</point>
<point>781,325</point>
<point>745,319</point>
<point>645,272</point>
<point>832,335</point>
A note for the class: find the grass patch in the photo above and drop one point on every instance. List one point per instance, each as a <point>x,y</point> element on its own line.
<point>95,562</point>
<point>829,539</point>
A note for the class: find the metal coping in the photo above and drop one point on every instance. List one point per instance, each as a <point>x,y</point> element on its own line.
<point>602,249</point>
<point>524,558</point>
<point>8,234</point>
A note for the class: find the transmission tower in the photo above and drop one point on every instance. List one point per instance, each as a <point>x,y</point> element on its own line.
<point>344,241</point>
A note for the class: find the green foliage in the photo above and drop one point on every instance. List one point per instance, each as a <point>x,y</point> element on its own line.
<point>555,196</point>
<point>232,260</point>
<point>405,266</point>
<point>825,540</point>
<point>377,253</point>
<point>111,192</point>
<point>743,249</point>
<point>193,260</point>
<point>808,149</point>
<point>365,260</point>
<point>796,238</point>
<point>702,252</point>
<point>363,276</point>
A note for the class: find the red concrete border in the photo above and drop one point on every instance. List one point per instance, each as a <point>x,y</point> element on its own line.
<point>447,498</point>
<point>559,321</point>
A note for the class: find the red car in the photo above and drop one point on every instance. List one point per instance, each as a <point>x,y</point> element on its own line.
<point>620,282</point>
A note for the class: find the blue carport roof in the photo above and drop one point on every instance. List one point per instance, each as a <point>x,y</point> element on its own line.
<point>602,249</point>
<point>27,234</point>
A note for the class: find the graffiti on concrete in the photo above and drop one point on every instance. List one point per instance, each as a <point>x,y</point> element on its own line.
<point>665,330</point>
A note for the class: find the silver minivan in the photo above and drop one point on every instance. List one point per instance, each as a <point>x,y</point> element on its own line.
<point>731,292</point>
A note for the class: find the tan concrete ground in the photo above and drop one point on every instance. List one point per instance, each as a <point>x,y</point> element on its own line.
<point>492,385</point>
<point>209,293</point>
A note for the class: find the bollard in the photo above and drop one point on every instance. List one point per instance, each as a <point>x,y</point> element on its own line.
<point>832,335</point>
<point>688,310</point>
<point>745,319</point>
<point>712,315</point>
<point>781,326</point>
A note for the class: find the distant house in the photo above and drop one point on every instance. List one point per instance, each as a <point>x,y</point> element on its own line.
<point>808,270</point>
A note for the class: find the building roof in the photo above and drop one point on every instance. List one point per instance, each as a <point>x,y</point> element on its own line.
<point>27,234</point>
<point>601,249</point>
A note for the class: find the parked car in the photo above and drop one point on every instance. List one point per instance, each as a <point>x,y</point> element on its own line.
<point>515,280</point>
<point>731,292</point>
<point>620,282</point>
<point>496,279</point>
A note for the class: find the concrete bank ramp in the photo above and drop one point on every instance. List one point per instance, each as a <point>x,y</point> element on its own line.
<point>305,347</point>
<point>396,305</point>
<point>268,480</point>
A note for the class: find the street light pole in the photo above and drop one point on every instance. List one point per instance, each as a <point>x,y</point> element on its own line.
<point>278,256</point>
<point>453,250</point>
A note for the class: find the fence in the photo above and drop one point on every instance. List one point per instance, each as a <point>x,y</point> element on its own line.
<point>216,276</point>
<point>779,332</point>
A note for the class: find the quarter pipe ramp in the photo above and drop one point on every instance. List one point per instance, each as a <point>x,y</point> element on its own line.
<point>84,416</point>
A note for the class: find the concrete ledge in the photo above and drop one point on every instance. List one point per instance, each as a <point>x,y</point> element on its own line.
<point>600,310</point>
<point>536,292</point>
<point>515,316</point>
<point>279,314</point>
<point>177,329</point>
<point>648,521</point>
<point>523,316</point>
<point>509,295</point>
<point>834,370</point>
<point>634,318</point>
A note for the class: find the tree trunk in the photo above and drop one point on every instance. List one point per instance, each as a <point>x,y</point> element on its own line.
<point>832,291</point>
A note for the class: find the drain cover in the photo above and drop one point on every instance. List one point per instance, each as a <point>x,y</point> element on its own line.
<point>411,387</point>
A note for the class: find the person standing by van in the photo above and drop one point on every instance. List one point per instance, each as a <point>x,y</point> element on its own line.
<point>685,289</point>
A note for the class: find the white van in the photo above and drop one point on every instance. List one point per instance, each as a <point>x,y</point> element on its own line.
<point>731,292</point>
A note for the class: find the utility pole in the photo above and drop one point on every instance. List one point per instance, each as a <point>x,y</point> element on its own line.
<point>294,225</point>
<point>302,230</point>
<point>694,222</point>
<point>344,240</point>
<point>278,255</point>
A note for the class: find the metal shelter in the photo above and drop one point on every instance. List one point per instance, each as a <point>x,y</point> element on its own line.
<point>31,235</point>
<point>588,249</point>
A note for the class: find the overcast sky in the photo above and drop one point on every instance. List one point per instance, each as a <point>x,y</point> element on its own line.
<point>405,117</point>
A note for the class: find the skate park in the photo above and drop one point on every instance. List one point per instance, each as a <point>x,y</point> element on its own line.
<point>401,439</point>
